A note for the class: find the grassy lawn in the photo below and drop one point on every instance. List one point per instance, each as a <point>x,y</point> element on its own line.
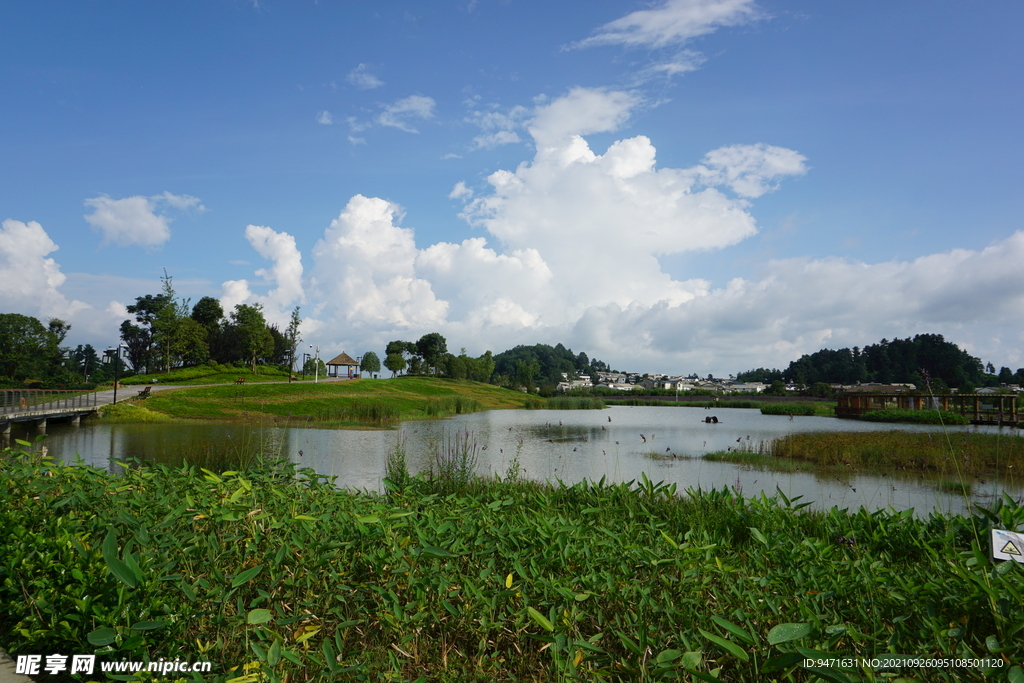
<point>337,402</point>
<point>212,374</point>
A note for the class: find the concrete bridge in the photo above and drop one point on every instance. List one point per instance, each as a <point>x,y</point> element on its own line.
<point>38,407</point>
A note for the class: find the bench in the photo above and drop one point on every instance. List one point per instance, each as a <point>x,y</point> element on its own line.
<point>145,392</point>
<point>240,380</point>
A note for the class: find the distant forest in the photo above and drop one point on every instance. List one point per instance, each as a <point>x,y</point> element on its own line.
<point>542,365</point>
<point>899,361</point>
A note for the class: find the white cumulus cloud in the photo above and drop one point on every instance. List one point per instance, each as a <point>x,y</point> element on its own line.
<point>30,282</point>
<point>364,271</point>
<point>324,118</point>
<point>284,276</point>
<point>134,220</point>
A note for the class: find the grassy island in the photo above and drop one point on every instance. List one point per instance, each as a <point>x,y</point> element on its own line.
<point>361,402</point>
<point>272,574</point>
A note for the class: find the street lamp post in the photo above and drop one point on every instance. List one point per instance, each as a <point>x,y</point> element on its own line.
<point>316,365</point>
<point>305,359</point>
<point>114,353</point>
<point>359,366</point>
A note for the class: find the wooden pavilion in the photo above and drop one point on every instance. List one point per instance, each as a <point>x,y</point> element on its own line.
<point>342,365</point>
<point>987,409</point>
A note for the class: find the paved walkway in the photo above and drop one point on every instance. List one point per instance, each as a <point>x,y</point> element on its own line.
<point>7,669</point>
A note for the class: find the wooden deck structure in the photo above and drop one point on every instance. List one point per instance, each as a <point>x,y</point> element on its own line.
<point>982,409</point>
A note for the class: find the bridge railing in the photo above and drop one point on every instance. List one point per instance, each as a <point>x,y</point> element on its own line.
<point>28,400</point>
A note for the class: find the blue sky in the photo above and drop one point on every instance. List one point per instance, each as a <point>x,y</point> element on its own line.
<point>674,186</point>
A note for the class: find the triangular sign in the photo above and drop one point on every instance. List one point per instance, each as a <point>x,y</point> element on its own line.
<point>1010,549</point>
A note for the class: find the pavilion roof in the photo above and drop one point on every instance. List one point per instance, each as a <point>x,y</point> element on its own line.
<point>342,359</point>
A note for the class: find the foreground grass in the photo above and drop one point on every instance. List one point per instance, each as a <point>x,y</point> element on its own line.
<point>364,401</point>
<point>274,575</point>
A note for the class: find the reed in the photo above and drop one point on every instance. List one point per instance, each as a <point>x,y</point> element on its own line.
<point>788,409</point>
<point>927,417</point>
<point>574,403</point>
<point>449,405</point>
<point>365,412</point>
<point>966,452</point>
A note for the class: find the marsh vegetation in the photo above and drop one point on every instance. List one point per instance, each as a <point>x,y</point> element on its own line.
<point>271,572</point>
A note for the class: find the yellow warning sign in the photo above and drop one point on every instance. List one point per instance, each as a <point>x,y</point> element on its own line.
<point>1008,545</point>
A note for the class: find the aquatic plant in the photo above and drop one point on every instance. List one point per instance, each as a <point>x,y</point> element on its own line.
<point>367,412</point>
<point>455,459</point>
<point>396,471</point>
<point>928,417</point>
<point>787,409</point>
<point>573,403</point>
<point>448,405</point>
<point>273,574</point>
<point>966,452</point>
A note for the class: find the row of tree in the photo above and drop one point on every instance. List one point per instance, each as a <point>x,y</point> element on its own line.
<point>925,359</point>
<point>168,333</point>
<point>429,355</point>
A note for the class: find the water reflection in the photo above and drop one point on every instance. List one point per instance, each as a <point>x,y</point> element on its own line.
<point>618,444</point>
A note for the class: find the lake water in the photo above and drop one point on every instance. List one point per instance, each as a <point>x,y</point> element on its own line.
<point>552,445</point>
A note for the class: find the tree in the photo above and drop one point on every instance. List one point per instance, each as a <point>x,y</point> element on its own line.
<point>431,348</point>
<point>525,372</point>
<point>186,342</point>
<point>1005,376</point>
<point>776,389</point>
<point>370,362</point>
<point>483,367</point>
<point>23,345</point>
<point>821,390</point>
<point>395,362</point>
<point>140,338</point>
<point>255,341</point>
<point>86,363</point>
<point>208,312</point>
<point>315,366</point>
<point>293,338</point>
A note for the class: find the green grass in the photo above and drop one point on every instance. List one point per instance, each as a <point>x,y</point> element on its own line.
<point>212,374</point>
<point>760,461</point>
<point>127,412</point>
<point>927,417</point>
<point>356,402</point>
<point>451,405</point>
<point>486,581</point>
<point>956,487</point>
<point>958,453</point>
